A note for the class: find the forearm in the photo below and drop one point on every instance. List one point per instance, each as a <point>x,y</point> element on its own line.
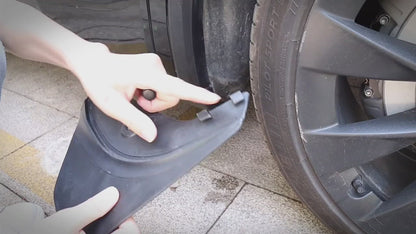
<point>29,34</point>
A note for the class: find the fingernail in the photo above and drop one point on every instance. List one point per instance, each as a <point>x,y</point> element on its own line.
<point>109,194</point>
<point>217,97</point>
<point>214,97</point>
<point>106,199</point>
<point>149,139</point>
<point>111,190</point>
<point>149,135</point>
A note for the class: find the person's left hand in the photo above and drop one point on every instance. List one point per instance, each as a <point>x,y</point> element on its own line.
<point>29,218</point>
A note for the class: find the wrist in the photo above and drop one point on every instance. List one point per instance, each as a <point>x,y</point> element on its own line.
<point>83,54</point>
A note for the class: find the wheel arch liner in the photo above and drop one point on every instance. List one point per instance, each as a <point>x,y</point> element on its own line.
<point>227,28</point>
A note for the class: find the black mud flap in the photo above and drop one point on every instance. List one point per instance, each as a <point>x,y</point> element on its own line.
<point>105,153</point>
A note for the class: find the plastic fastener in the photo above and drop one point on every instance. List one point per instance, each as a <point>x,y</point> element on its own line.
<point>126,132</point>
<point>237,97</point>
<point>204,115</point>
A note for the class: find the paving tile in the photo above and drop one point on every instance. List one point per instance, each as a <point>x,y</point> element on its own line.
<point>256,210</point>
<point>25,119</point>
<point>8,143</point>
<point>247,157</point>
<point>24,166</point>
<point>54,145</point>
<point>37,164</point>
<point>25,193</point>
<point>47,84</point>
<point>191,205</point>
<point>8,197</point>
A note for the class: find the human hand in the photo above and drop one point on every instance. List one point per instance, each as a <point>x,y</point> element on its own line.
<point>29,218</point>
<point>112,80</point>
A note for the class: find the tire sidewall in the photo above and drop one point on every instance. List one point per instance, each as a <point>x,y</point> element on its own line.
<point>276,38</point>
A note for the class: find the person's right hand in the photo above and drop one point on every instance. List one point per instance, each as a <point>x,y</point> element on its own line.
<point>112,80</point>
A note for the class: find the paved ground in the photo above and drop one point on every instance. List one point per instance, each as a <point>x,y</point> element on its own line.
<point>237,189</point>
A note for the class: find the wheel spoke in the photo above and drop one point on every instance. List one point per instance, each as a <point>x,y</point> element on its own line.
<point>342,47</point>
<point>396,211</point>
<point>361,163</point>
<point>345,9</point>
<point>345,146</point>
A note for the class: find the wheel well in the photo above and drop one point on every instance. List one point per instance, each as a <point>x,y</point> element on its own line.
<point>208,42</point>
<point>227,28</point>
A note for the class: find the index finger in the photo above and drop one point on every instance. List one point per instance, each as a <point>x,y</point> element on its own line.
<point>174,86</point>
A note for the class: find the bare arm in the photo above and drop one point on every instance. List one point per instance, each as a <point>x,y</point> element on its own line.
<point>110,80</point>
<point>29,34</point>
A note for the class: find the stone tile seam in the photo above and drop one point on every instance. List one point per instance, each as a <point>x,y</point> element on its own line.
<point>25,193</point>
<point>248,183</point>
<point>226,208</point>
<point>36,138</point>
<point>12,191</point>
<point>270,191</point>
<point>41,103</point>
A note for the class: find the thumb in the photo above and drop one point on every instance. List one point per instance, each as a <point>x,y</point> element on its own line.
<point>79,216</point>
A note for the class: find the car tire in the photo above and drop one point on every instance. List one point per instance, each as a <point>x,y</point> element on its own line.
<point>276,38</point>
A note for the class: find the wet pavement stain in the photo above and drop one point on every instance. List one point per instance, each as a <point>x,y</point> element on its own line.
<point>224,190</point>
<point>9,143</point>
<point>225,183</point>
<point>24,166</point>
